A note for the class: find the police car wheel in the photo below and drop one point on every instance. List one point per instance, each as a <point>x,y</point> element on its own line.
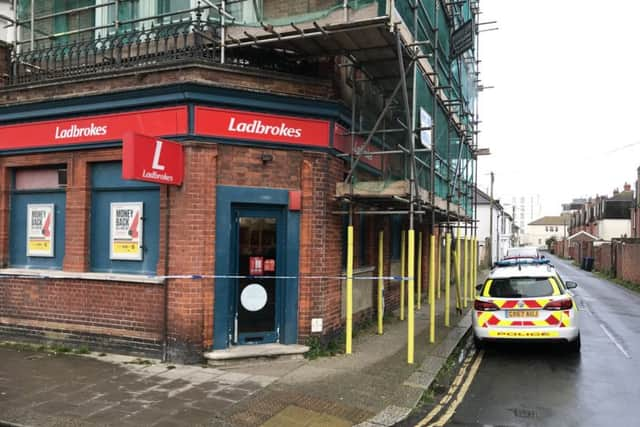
<point>574,346</point>
<point>477,342</point>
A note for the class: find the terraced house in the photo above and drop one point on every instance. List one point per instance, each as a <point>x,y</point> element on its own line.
<point>180,177</point>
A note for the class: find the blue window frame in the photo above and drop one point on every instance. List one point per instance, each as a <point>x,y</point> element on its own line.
<point>20,200</point>
<point>109,187</point>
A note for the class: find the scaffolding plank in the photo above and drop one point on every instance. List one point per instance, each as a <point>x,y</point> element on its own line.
<point>374,188</point>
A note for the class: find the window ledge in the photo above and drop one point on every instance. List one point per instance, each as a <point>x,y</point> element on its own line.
<point>56,274</point>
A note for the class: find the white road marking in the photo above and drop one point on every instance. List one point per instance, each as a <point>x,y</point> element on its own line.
<point>613,340</point>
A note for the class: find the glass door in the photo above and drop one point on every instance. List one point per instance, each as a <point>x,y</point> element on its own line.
<point>259,233</point>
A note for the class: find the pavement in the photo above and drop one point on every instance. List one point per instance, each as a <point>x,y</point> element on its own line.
<point>372,387</point>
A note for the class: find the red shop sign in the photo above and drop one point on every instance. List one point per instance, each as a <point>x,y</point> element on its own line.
<point>107,127</point>
<point>261,127</point>
<point>342,142</point>
<point>151,159</point>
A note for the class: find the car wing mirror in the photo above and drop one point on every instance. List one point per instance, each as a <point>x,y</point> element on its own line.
<point>570,284</point>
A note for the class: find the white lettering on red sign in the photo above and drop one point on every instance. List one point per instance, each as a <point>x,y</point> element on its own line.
<point>74,131</point>
<point>156,157</point>
<point>257,128</point>
<point>157,176</point>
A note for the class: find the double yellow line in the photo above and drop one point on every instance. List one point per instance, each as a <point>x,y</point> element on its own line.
<point>459,388</point>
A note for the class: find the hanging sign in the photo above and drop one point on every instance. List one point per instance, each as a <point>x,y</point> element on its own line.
<point>462,39</point>
<point>40,230</point>
<point>425,134</point>
<point>151,159</point>
<point>126,231</point>
<point>256,266</point>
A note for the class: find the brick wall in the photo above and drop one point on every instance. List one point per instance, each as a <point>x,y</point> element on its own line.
<point>243,166</point>
<point>321,244</point>
<point>629,268</point>
<point>219,76</point>
<point>602,257</point>
<point>191,251</point>
<point>98,307</point>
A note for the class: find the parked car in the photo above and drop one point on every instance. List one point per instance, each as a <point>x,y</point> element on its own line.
<point>526,301</point>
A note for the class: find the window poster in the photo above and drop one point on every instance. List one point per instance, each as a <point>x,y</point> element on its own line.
<point>40,230</point>
<point>126,231</point>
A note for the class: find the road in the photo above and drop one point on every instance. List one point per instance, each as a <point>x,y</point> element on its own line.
<point>534,385</point>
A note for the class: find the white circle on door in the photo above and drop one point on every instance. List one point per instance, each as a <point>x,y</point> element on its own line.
<point>253,297</point>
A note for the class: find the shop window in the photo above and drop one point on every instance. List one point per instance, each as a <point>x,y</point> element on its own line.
<point>37,218</point>
<point>125,222</point>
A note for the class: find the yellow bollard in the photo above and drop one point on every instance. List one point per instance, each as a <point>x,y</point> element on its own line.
<point>402,260</point>
<point>438,266</point>
<point>472,277</point>
<point>458,278</point>
<point>466,272</point>
<point>411,301</point>
<point>349,331</point>
<point>380,281</point>
<point>419,270</point>
<point>432,293</point>
<point>475,264</point>
<point>447,279</point>
<point>470,282</point>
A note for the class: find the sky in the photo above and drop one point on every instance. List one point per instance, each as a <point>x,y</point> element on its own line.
<point>562,119</point>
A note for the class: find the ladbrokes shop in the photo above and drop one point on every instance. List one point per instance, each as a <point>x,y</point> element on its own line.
<point>174,221</point>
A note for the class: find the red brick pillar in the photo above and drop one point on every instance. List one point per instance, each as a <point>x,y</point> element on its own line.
<point>306,309</point>
<point>76,255</point>
<point>191,250</point>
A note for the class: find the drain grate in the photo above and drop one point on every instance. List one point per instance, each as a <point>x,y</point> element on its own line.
<point>524,412</point>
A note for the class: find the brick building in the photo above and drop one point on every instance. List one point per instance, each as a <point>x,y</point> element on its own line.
<point>289,133</point>
<point>606,217</point>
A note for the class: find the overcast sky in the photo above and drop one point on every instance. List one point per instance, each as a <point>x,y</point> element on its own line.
<point>562,119</point>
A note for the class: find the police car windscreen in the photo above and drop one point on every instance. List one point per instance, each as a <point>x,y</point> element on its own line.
<point>520,287</point>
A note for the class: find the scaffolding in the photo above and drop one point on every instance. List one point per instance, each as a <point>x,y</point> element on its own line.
<point>410,75</point>
<point>409,70</point>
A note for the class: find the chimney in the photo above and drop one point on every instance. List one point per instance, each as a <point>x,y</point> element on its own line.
<point>627,186</point>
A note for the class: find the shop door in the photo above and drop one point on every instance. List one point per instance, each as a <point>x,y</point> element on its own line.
<point>259,257</point>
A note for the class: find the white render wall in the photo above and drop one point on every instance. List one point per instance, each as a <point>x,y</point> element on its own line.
<point>501,236</point>
<point>537,235</point>
<point>612,228</point>
<point>6,33</point>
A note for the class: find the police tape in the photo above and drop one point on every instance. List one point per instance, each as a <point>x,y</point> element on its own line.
<point>225,276</point>
<point>125,276</point>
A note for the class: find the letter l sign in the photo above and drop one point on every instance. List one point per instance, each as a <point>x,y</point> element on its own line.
<point>156,157</point>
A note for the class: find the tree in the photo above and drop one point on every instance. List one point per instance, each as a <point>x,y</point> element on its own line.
<point>551,243</point>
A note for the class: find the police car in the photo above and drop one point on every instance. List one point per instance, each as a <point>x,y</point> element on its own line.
<point>526,300</point>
